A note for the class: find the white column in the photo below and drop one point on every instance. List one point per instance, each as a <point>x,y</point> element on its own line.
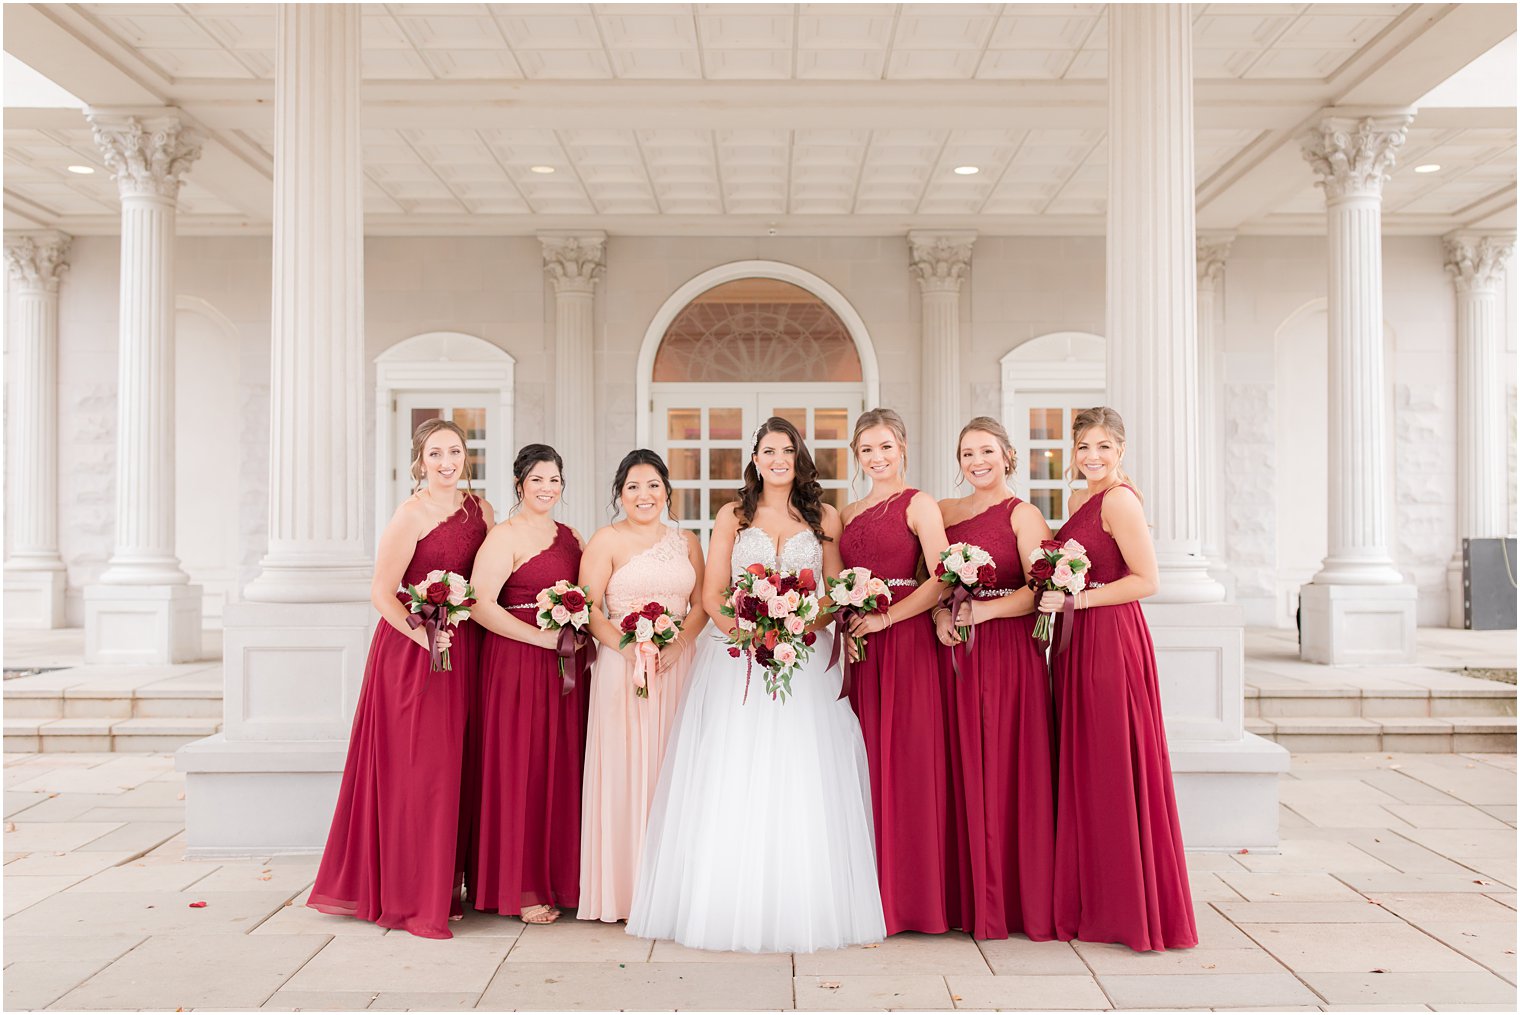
<point>316,479</point>
<point>1226,778</point>
<point>1152,309</point>
<point>1358,607</point>
<point>940,262</point>
<point>34,572</point>
<point>144,609</point>
<point>1476,265</point>
<point>1213,251</point>
<point>295,646</point>
<point>574,263</point>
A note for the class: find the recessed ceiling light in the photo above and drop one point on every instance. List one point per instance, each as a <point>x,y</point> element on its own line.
<point>967,170</point>
<point>542,169</point>
<point>82,170</point>
<point>1429,167</point>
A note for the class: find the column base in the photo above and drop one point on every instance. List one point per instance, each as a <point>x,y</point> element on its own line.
<point>1348,624</point>
<point>1227,792</point>
<point>34,598</point>
<point>142,624</point>
<point>259,798</point>
<point>292,671</point>
<point>1200,659</point>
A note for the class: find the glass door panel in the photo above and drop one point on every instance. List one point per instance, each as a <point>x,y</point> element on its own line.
<point>467,409</point>
<point>1041,434</point>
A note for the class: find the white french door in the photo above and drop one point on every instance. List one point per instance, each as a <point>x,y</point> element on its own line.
<point>474,412</point>
<point>1041,433</point>
<point>705,433</point>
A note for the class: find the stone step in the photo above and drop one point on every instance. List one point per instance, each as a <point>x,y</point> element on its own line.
<point>1379,702</point>
<point>102,734</point>
<point>115,703</point>
<point>1424,734</point>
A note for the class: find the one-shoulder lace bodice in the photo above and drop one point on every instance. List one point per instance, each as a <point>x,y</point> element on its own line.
<point>662,574</point>
<point>756,546</point>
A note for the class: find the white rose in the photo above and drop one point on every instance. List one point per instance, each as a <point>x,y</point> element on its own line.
<point>644,629</point>
<point>746,625</point>
<point>840,595</point>
<point>582,618</point>
<point>980,556</point>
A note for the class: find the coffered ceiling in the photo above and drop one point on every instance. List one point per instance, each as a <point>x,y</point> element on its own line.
<point>721,118</point>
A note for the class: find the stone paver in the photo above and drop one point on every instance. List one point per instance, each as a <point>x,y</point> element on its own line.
<point>99,917</point>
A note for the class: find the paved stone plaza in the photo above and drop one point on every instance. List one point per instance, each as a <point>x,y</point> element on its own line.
<point>1395,887</point>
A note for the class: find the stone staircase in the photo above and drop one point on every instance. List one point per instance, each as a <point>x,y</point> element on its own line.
<point>1429,720</point>
<point>109,708</point>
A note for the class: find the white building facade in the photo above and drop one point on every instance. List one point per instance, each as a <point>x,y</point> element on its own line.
<point>337,223</point>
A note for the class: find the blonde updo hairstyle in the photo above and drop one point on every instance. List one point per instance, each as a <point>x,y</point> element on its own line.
<point>888,418</point>
<point>426,429</point>
<point>1110,420</point>
<point>986,424</point>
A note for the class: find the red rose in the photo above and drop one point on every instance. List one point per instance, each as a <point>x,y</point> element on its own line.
<point>733,650</point>
<point>573,600</point>
<point>1050,544</point>
<point>438,593</point>
<point>806,581</point>
<point>1041,570</point>
<point>939,569</point>
<point>652,610</point>
<point>468,603</point>
<point>629,623</point>
<point>809,637</point>
<point>986,574</point>
<point>758,570</point>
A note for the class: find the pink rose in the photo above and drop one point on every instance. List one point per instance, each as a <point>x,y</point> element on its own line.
<point>663,623</point>
<point>764,590</point>
<point>795,625</point>
<point>560,615</point>
<point>859,594</point>
<point>778,607</point>
<point>792,599</point>
<point>543,600</point>
<point>785,654</point>
<point>1062,575</point>
<point>877,587</point>
<point>1072,546</point>
<point>967,573</point>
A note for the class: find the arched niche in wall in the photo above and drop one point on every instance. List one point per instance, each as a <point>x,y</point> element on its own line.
<point>207,439</point>
<point>456,376</point>
<point>1045,381</point>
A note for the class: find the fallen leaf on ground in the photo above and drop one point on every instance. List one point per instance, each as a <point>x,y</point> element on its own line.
<point>197,905</point>
<point>1242,851</point>
<point>10,826</point>
<point>876,945</point>
<point>829,984</point>
<point>956,997</point>
<point>265,877</point>
<point>1377,970</point>
<point>1210,965</point>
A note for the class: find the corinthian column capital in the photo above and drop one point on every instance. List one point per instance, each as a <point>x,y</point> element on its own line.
<point>147,154</point>
<point>940,261</point>
<point>1212,253</point>
<point>574,263</point>
<point>1476,263</point>
<point>37,260</point>
<point>1352,156</point>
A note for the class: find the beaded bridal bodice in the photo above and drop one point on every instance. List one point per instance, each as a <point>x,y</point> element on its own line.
<point>662,574</point>
<point>756,546</point>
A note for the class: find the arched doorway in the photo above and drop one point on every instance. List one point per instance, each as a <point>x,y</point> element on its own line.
<point>734,346</point>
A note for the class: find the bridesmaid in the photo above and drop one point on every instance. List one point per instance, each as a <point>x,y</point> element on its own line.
<point>896,690</point>
<point>634,561</point>
<point>1001,754</point>
<point>392,853</point>
<point>531,732</point>
<point>1120,873</point>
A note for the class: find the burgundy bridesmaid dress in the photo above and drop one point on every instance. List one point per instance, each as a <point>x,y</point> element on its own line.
<point>1121,875</point>
<point>392,856</point>
<point>898,695</point>
<point>1002,755</point>
<point>527,850</point>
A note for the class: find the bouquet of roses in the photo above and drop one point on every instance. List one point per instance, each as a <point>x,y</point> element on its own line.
<point>771,611</point>
<point>1058,567</point>
<point>963,567</point>
<point>563,607</point>
<point>855,593</point>
<point>442,599</point>
<point>651,627</point>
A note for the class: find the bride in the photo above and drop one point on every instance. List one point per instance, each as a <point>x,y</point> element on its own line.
<point>760,836</point>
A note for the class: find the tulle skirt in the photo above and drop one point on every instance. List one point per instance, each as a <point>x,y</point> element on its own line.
<point>760,837</point>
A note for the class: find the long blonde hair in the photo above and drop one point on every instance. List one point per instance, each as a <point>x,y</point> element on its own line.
<point>420,436</point>
<point>1110,420</point>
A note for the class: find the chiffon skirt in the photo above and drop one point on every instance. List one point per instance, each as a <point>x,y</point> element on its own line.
<point>760,837</point>
<point>625,745</point>
<point>1120,872</point>
<point>392,854</point>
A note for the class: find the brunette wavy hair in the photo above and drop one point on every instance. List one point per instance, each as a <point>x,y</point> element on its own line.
<point>806,501</point>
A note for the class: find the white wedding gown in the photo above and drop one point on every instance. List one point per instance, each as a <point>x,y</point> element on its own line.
<point>760,837</point>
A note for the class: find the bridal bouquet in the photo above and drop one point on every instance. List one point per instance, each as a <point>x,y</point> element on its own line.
<point>1058,567</point>
<point>855,593</point>
<point>772,610</point>
<point>964,567</point>
<point>442,599</point>
<point>563,607</point>
<point>651,627</point>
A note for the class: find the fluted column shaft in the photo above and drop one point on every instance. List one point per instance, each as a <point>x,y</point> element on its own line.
<point>1213,251</point>
<point>1352,157</point>
<point>1152,302</point>
<point>36,264</point>
<point>316,546</point>
<point>1476,265</point>
<point>940,263</point>
<point>573,264</point>
<point>148,154</point>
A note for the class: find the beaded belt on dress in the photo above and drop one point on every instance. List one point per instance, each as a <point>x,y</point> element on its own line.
<point>903,582</point>
<point>999,593</point>
<point>524,606</point>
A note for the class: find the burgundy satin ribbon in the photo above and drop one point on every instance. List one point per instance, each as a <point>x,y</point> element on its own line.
<point>1068,609</point>
<point>842,619</point>
<point>569,640</point>
<point>428,618</point>
<point>959,595</point>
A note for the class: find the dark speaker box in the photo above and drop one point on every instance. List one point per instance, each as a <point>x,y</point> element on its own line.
<point>1488,584</point>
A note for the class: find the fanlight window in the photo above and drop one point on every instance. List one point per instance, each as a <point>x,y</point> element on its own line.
<point>757,329</point>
